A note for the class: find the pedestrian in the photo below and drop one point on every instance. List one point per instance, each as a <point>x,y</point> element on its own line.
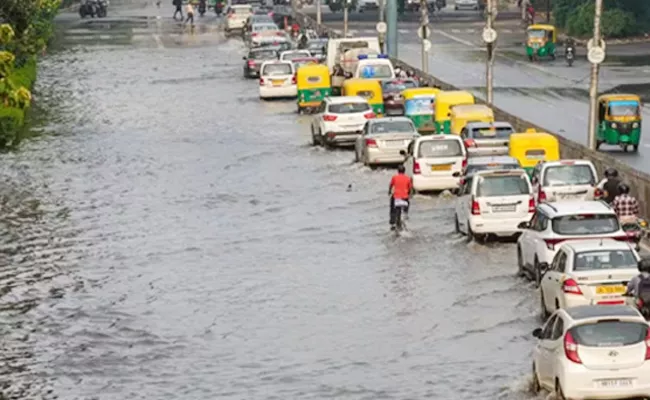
<point>190,13</point>
<point>179,8</point>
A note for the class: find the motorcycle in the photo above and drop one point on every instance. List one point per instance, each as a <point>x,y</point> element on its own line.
<point>102,8</point>
<point>202,7</point>
<point>570,55</point>
<point>218,8</point>
<point>636,231</point>
<point>88,7</point>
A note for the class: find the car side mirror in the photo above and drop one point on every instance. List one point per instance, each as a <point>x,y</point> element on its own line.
<point>537,333</point>
<point>244,58</point>
<point>523,225</point>
<point>402,153</point>
<point>543,267</point>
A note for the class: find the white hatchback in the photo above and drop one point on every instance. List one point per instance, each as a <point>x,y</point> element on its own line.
<point>340,120</point>
<point>436,162</point>
<point>237,15</point>
<point>277,79</point>
<point>588,272</point>
<point>494,202</point>
<point>565,180</point>
<point>593,352</point>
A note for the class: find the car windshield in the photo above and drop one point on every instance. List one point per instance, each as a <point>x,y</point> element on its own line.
<point>348,108</point>
<point>606,259</point>
<point>376,71</point>
<point>277,69</point>
<point>609,333</point>
<point>439,148</point>
<point>295,54</point>
<point>537,33</point>
<point>392,87</point>
<point>503,132</point>
<point>623,109</point>
<point>472,169</point>
<point>262,55</point>
<point>502,186</point>
<point>562,175</point>
<point>393,127</point>
<point>585,224</point>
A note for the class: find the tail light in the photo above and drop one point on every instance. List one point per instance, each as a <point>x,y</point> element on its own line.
<point>531,204</point>
<point>550,243</point>
<point>416,167</point>
<point>647,345</point>
<point>371,143</point>
<point>542,196</point>
<point>369,115</point>
<point>570,286</point>
<point>255,34</point>
<point>598,193</point>
<point>262,82</point>
<point>328,117</point>
<point>470,143</point>
<point>476,208</point>
<point>231,16</point>
<point>571,348</point>
<point>251,63</point>
<point>279,33</point>
<point>293,80</point>
<point>464,163</point>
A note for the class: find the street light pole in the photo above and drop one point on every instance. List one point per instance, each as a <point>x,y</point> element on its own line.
<point>490,52</point>
<point>345,18</point>
<point>548,11</point>
<point>318,15</point>
<point>391,22</point>
<point>593,88</point>
<point>425,26</point>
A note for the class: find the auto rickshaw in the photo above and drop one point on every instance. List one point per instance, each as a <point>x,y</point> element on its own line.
<point>619,120</point>
<point>444,102</point>
<point>419,106</point>
<point>461,115</point>
<point>370,89</point>
<point>313,82</point>
<point>531,147</point>
<point>540,41</point>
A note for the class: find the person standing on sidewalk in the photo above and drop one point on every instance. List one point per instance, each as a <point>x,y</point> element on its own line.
<point>190,13</point>
<point>179,8</point>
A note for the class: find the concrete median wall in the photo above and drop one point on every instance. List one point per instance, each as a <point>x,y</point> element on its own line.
<point>638,181</point>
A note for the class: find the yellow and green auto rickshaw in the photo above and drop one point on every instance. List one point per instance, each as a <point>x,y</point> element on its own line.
<point>540,41</point>
<point>531,147</point>
<point>419,106</point>
<point>313,82</point>
<point>370,89</point>
<point>619,120</point>
<point>463,114</point>
<point>444,102</point>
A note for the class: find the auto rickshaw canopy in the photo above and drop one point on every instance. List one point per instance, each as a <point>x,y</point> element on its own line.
<point>462,114</point>
<point>413,93</point>
<point>370,89</point>
<point>529,148</point>
<point>542,31</point>
<point>447,99</point>
<point>629,105</point>
<point>316,76</point>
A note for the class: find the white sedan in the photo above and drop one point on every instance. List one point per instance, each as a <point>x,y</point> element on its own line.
<point>277,80</point>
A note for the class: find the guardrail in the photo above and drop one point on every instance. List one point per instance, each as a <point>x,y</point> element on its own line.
<point>639,181</point>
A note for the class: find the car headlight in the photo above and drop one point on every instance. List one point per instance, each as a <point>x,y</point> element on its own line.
<point>635,125</point>
<point>614,125</point>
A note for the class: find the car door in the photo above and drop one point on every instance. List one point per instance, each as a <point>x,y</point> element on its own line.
<point>542,356</point>
<point>554,349</point>
<point>525,241</point>
<point>534,179</point>
<point>463,205</point>
<point>318,118</point>
<point>408,163</point>
<point>360,142</point>
<point>536,239</point>
<point>551,281</point>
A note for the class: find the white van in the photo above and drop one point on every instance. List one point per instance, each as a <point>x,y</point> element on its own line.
<point>436,162</point>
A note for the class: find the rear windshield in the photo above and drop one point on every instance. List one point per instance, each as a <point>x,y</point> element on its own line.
<point>263,55</point>
<point>472,169</point>
<point>295,54</point>
<point>593,224</point>
<point>393,87</point>
<point>607,259</point>
<point>348,108</point>
<point>393,126</point>
<point>489,133</point>
<point>277,69</point>
<point>502,186</point>
<point>609,333</point>
<point>561,175</point>
<point>380,71</point>
<point>440,148</point>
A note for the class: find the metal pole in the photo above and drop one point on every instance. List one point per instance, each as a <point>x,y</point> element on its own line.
<point>593,89</point>
<point>345,18</point>
<point>318,15</point>
<point>382,18</point>
<point>490,53</point>
<point>391,34</point>
<point>548,11</point>
<point>425,22</point>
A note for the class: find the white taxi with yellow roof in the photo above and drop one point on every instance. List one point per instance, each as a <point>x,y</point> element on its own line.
<point>588,272</point>
<point>436,162</point>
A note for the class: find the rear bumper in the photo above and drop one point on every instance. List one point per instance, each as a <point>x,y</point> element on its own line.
<point>281,91</point>
<point>422,183</point>
<point>487,151</point>
<point>498,227</point>
<point>379,156</point>
<point>394,108</point>
<point>578,382</point>
<point>341,138</point>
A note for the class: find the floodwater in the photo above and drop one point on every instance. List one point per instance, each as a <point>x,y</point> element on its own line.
<point>170,236</point>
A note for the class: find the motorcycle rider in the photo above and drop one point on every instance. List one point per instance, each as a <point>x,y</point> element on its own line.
<point>179,8</point>
<point>400,187</point>
<point>637,287</point>
<point>203,5</point>
<point>609,185</point>
<point>626,206</point>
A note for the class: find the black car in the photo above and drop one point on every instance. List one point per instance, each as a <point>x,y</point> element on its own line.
<point>255,58</point>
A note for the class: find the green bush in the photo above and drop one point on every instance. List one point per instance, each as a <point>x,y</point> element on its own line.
<point>11,124</point>
<point>615,23</point>
<point>25,75</point>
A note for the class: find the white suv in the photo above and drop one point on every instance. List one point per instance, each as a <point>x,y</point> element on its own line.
<point>237,15</point>
<point>565,180</point>
<point>435,162</point>
<point>554,223</point>
<point>494,202</point>
<point>593,352</point>
<point>340,120</point>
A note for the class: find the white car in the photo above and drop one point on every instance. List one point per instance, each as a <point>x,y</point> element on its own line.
<point>554,223</point>
<point>565,180</point>
<point>277,79</point>
<point>237,15</point>
<point>494,202</point>
<point>374,68</point>
<point>340,120</point>
<point>294,54</point>
<point>263,33</point>
<point>383,140</point>
<point>436,162</point>
<point>466,5</point>
<point>588,272</point>
<point>593,352</point>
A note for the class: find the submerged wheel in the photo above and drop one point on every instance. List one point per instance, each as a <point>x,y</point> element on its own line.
<point>470,234</point>
<point>537,272</point>
<point>542,306</point>
<point>635,148</point>
<point>456,223</point>
<point>530,58</point>
<point>598,144</point>
<point>536,387</point>
<point>559,394</point>
<point>520,264</point>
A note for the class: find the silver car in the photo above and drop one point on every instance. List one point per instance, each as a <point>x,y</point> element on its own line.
<point>487,139</point>
<point>382,140</point>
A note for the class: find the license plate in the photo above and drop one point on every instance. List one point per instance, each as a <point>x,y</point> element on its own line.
<point>615,383</point>
<point>277,82</point>
<point>613,289</point>
<point>446,167</point>
<point>394,143</point>
<point>504,208</point>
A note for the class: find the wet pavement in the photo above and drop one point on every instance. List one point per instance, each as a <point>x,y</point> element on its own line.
<point>168,236</point>
<point>547,93</point>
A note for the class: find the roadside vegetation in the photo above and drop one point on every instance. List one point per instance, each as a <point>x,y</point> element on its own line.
<point>25,29</point>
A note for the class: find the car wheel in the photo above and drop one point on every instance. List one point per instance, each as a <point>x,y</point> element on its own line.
<point>456,223</point>
<point>537,272</point>
<point>521,272</point>
<point>542,306</point>
<point>356,156</point>
<point>559,394</point>
<point>470,234</point>
<point>536,387</point>
<point>314,140</point>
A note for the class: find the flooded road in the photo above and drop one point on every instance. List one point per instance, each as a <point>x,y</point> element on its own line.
<point>169,235</point>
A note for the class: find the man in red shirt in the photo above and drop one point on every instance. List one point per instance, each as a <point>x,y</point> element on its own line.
<point>400,188</point>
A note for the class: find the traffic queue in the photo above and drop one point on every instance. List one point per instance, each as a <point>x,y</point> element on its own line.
<point>577,236</point>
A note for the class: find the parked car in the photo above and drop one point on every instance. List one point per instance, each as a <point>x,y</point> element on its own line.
<point>340,120</point>
<point>565,180</point>
<point>436,162</point>
<point>383,139</point>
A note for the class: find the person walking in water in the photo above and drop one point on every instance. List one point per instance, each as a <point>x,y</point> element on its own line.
<point>179,8</point>
<point>190,13</point>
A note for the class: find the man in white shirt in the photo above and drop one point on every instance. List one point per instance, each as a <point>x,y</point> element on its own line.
<point>190,13</point>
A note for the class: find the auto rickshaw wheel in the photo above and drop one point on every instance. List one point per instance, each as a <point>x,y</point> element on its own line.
<point>530,58</point>
<point>552,55</point>
<point>598,143</point>
<point>299,110</point>
<point>635,148</point>
<point>624,148</point>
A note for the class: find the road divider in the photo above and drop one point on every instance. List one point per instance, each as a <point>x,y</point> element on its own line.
<point>639,182</point>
